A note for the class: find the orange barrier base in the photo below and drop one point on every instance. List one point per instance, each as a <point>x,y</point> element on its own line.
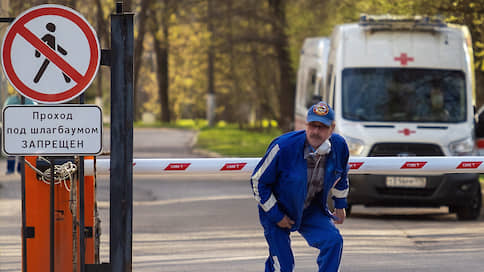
<point>37,213</point>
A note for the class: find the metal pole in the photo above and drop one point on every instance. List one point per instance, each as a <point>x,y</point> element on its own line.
<point>121,176</point>
<point>82,245</point>
<point>24,217</point>
<point>52,215</point>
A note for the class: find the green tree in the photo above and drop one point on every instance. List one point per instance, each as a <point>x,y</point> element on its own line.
<point>254,47</point>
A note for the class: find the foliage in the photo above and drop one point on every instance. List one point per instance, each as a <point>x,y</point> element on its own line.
<point>195,124</point>
<point>225,138</point>
<point>188,67</point>
<point>247,39</point>
<point>228,140</point>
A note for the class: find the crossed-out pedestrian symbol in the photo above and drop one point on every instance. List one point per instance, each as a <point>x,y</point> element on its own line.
<point>42,44</point>
<point>49,39</point>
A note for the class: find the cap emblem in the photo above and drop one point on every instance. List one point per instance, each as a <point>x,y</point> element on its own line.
<point>321,109</point>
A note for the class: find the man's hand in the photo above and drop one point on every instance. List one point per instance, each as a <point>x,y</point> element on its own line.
<point>285,223</point>
<point>340,216</point>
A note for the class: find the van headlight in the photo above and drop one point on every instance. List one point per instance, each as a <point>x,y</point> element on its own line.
<point>462,147</point>
<point>355,146</point>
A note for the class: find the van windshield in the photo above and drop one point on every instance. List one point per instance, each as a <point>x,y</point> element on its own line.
<point>404,94</point>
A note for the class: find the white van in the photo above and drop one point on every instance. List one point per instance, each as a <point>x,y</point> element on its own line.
<point>403,87</point>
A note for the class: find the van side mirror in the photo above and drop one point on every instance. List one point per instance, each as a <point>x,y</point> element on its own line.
<point>480,125</point>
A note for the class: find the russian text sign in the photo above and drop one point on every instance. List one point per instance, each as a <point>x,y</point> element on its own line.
<point>52,130</point>
<point>50,54</point>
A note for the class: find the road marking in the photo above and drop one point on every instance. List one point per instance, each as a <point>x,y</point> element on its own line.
<point>105,204</point>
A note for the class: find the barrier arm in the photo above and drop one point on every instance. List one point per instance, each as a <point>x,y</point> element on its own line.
<point>358,165</point>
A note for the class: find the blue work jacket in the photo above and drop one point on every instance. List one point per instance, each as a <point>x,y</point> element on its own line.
<point>279,181</point>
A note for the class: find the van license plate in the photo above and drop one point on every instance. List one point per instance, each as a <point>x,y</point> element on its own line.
<point>406,182</point>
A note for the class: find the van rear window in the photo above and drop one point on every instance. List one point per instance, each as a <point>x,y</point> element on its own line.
<point>404,94</point>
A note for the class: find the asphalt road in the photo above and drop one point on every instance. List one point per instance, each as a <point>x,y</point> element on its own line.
<point>209,223</point>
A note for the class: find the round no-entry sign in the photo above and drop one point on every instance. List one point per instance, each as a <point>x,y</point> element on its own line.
<point>50,54</point>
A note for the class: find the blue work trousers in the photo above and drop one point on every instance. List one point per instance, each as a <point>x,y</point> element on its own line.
<point>11,165</point>
<point>318,230</point>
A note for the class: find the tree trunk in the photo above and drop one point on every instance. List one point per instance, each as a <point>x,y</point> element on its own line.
<point>161,49</point>
<point>73,4</point>
<point>127,5</point>
<point>138,53</point>
<point>286,74</point>
<point>210,72</point>
<point>103,33</point>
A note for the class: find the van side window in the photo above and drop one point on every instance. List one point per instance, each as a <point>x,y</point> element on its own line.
<point>311,81</point>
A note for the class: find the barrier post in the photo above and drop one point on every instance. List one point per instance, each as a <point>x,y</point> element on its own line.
<point>36,231</point>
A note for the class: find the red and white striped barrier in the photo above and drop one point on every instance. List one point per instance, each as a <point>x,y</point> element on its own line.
<point>189,165</point>
<point>358,165</point>
<point>416,165</point>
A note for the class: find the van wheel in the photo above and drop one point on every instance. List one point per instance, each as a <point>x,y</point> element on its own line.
<point>472,210</point>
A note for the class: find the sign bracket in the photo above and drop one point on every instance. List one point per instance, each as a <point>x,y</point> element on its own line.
<point>6,19</point>
<point>106,57</point>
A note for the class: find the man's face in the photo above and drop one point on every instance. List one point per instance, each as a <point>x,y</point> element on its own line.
<point>317,133</point>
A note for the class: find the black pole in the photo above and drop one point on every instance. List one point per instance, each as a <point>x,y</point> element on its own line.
<point>121,158</point>
<point>24,217</point>
<point>52,215</point>
<point>82,244</point>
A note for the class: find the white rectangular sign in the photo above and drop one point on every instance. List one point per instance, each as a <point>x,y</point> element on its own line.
<point>52,130</point>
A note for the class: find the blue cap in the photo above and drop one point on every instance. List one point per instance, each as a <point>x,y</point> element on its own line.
<point>321,112</point>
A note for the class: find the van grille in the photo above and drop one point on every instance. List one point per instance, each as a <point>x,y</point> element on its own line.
<point>403,192</point>
<point>405,149</point>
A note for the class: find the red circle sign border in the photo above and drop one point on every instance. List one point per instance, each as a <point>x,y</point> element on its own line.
<point>71,15</point>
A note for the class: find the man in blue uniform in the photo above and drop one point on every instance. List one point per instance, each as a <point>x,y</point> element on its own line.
<point>291,184</point>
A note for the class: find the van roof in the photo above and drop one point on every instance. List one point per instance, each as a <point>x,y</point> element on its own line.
<point>316,47</point>
<point>393,22</point>
<point>441,48</point>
